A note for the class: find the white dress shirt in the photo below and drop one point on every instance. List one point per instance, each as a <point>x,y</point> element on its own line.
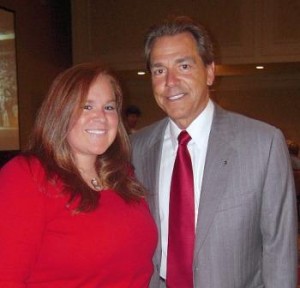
<point>199,131</point>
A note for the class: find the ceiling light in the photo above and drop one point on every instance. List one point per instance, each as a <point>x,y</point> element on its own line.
<point>141,72</point>
<point>7,36</point>
<point>260,67</point>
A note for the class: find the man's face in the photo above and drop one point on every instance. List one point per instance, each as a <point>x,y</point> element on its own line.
<point>179,78</point>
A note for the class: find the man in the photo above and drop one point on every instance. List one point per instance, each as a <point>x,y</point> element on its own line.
<point>244,198</point>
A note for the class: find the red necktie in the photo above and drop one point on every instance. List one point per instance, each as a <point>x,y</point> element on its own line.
<point>181,219</point>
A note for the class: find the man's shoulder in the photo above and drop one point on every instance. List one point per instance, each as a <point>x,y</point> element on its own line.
<point>241,130</point>
<point>245,123</point>
<point>151,132</point>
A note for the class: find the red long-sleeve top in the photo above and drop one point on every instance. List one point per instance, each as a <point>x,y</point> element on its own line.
<point>44,245</point>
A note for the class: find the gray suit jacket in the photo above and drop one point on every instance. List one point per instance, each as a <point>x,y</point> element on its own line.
<point>246,234</point>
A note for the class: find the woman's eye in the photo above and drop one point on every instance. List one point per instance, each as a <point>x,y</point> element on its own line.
<point>110,107</point>
<point>87,107</point>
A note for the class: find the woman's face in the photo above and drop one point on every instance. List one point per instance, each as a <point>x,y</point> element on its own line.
<point>96,128</point>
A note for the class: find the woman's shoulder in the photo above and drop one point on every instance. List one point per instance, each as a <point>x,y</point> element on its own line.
<point>24,161</point>
<point>23,165</point>
<point>25,174</point>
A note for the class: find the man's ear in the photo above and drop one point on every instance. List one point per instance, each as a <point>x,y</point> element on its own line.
<point>210,73</point>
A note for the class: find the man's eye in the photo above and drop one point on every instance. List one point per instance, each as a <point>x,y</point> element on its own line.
<point>87,107</point>
<point>185,66</point>
<point>158,71</point>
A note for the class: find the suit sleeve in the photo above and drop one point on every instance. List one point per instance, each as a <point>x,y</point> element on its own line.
<point>279,219</point>
<point>21,222</point>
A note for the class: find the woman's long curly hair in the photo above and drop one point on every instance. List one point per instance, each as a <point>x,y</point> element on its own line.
<point>49,143</point>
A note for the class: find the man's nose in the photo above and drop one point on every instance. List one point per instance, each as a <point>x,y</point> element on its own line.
<point>171,79</point>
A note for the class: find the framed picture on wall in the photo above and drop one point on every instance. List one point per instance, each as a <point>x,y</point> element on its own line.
<point>9,111</point>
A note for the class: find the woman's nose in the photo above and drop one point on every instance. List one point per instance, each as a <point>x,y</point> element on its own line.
<point>99,114</point>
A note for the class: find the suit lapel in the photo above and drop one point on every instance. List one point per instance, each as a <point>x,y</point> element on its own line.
<point>217,166</point>
<point>152,170</point>
<point>152,166</point>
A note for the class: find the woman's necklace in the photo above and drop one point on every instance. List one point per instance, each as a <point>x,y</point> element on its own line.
<point>94,181</point>
<point>95,184</point>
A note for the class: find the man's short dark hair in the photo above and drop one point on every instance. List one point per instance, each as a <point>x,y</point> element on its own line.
<point>176,25</point>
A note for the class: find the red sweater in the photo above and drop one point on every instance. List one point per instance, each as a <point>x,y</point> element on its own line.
<point>42,244</point>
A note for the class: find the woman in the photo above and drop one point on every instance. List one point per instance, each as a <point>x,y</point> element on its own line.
<point>72,214</point>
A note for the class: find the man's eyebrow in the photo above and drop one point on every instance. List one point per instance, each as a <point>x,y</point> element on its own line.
<point>155,65</point>
<point>177,61</point>
<point>185,59</point>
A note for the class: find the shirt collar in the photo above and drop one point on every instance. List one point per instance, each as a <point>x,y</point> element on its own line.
<point>202,123</point>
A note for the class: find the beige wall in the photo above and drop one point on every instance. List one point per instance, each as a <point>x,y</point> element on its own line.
<point>274,99</point>
<point>43,50</point>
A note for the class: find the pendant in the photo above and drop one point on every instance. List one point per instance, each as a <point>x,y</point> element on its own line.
<point>95,184</point>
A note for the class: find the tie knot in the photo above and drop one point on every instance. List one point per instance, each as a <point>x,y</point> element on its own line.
<point>184,138</point>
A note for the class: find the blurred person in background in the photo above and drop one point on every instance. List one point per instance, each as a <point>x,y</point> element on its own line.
<point>132,116</point>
